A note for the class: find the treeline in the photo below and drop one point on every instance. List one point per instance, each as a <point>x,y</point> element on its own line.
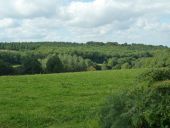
<point>52,57</point>
<point>29,64</point>
<point>36,45</point>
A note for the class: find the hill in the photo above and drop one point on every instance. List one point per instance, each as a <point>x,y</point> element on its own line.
<point>27,57</point>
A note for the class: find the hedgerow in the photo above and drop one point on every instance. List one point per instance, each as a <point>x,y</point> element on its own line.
<point>142,107</point>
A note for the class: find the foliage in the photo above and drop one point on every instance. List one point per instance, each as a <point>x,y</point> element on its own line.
<point>111,115</point>
<point>5,68</point>
<point>104,66</point>
<point>30,66</point>
<point>77,57</point>
<point>142,107</point>
<point>153,75</point>
<point>91,68</point>
<point>73,63</point>
<point>160,59</point>
<point>54,65</point>
<point>10,57</point>
<point>125,66</point>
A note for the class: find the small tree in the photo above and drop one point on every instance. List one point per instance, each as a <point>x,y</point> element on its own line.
<point>54,65</point>
<point>112,62</point>
<point>104,67</point>
<point>31,66</point>
<point>5,68</point>
<point>125,66</point>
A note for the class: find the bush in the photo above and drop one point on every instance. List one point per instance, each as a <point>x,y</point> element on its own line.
<point>142,107</point>
<point>154,75</point>
<point>150,108</point>
<point>91,68</point>
<point>104,67</point>
<point>112,113</point>
<point>125,66</point>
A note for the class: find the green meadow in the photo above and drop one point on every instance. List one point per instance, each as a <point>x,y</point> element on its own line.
<point>65,100</point>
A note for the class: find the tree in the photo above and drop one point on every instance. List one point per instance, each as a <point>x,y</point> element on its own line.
<point>168,62</point>
<point>31,66</point>
<point>125,66</point>
<point>54,65</point>
<point>104,66</point>
<point>112,62</point>
<point>5,68</point>
<point>91,68</point>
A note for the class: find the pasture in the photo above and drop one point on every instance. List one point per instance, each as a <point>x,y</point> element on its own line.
<point>65,100</point>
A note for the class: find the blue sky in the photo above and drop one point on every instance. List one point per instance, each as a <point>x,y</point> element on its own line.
<point>135,21</point>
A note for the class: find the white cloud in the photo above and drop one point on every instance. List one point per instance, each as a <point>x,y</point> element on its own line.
<point>36,8</point>
<point>6,23</point>
<point>96,13</point>
<point>79,20</point>
<point>28,8</point>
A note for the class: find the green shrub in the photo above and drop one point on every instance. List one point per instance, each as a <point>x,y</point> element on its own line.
<point>125,66</point>
<point>91,68</point>
<point>112,113</point>
<point>142,107</point>
<point>104,67</point>
<point>150,108</point>
<point>154,75</point>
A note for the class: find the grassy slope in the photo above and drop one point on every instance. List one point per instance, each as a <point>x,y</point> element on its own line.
<point>69,100</point>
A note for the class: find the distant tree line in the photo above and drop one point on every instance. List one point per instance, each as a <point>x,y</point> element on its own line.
<point>36,45</point>
<point>56,57</point>
<point>51,64</point>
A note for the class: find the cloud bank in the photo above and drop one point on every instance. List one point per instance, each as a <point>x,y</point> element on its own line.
<point>140,21</point>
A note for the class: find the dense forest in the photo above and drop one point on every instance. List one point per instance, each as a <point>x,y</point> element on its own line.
<point>56,57</point>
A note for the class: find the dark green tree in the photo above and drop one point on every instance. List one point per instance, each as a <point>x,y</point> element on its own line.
<point>5,68</point>
<point>31,66</point>
<point>54,65</point>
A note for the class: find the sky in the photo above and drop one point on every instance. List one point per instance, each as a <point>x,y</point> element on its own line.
<point>131,21</point>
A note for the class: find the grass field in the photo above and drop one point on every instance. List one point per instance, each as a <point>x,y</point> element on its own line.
<point>69,100</point>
